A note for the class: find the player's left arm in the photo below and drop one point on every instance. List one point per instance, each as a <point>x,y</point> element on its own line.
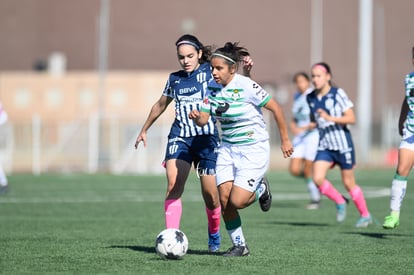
<point>348,116</point>
<point>403,116</point>
<point>275,108</point>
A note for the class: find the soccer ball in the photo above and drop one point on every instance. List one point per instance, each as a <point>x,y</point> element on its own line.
<point>171,244</point>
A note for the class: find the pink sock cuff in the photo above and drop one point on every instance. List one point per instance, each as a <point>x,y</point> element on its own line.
<point>172,202</point>
<point>355,192</point>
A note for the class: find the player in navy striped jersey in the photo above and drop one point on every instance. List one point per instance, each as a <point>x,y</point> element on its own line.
<point>188,143</point>
<point>331,112</point>
<point>243,156</point>
<point>405,152</point>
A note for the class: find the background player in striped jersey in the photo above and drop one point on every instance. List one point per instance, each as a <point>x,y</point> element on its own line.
<point>243,156</point>
<point>405,152</point>
<point>331,111</point>
<point>305,140</point>
<point>187,142</point>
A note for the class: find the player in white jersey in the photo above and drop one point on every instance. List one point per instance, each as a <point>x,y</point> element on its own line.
<point>405,153</point>
<point>243,156</point>
<point>4,187</point>
<point>305,140</point>
<point>331,112</point>
<point>188,143</point>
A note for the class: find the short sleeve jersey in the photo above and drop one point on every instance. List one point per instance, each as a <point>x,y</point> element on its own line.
<point>188,91</point>
<point>409,96</point>
<point>332,136</point>
<point>237,107</point>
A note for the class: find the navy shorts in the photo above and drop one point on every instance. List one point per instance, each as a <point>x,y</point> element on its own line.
<point>344,160</point>
<point>200,150</point>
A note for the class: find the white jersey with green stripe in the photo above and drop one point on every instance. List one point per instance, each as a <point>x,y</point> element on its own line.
<point>237,107</point>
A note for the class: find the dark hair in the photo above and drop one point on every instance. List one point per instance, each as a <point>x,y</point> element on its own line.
<point>323,64</point>
<point>298,74</point>
<point>327,69</point>
<point>193,41</point>
<point>233,52</point>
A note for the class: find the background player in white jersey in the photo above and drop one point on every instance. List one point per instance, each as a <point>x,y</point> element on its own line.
<point>405,152</point>
<point>331,111</point>
<point>187,142</point>
<point>243,155</point>
<point>305,140</point>
<point>4,187</point>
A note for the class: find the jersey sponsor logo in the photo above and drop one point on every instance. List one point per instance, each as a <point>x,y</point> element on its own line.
<point>222,108</point>
<point>255,86</point>
<point>187,90</point>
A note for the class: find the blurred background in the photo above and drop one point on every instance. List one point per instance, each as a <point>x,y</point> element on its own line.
<point>78,78</point>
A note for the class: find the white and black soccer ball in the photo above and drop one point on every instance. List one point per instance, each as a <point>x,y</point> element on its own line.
<point>171,244</point>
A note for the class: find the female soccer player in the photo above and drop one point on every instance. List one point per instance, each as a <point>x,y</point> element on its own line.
<point>305,140</point>
<point>187,142</point>
<point>243,155</point>
<point>331,112</point>
<point>405,153</point>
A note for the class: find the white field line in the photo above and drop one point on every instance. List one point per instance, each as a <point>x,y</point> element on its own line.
<point>369,192</point>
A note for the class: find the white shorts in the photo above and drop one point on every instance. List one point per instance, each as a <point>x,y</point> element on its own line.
<point>306,145</point>
<point>407,141</point>
<point>406,145</point>
<point>245,165</point>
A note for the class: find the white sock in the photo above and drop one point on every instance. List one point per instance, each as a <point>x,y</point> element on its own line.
<point>397,193</point>
<point>313,191</point>
<point>237,237</point>
<point>261,188</point>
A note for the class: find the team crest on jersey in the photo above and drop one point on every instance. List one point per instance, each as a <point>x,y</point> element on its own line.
<point>202,77</point>
<point>235,93</point>
<point>205,101</point>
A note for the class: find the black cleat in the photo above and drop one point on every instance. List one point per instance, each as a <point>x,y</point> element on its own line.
<point>346,199</point>
<point>237,251</point>
<point>265,199</point>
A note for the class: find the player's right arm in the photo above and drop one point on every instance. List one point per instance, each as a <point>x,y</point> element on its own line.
<point>200,118</point>
<point>403,116</point>
<point>157,109</point>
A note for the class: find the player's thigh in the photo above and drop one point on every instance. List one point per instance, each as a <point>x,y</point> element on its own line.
<point>405,161</point>
<point>321,165</point>
<point>177,171</point>
<point>240,197</point>
<point>296,166</point>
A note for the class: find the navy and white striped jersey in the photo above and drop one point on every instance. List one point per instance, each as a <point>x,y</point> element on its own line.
<point>332,136</point>
<point>409,97</point>
<point>188,91</point>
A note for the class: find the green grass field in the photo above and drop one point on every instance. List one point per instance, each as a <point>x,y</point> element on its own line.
<point>107,224</point>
